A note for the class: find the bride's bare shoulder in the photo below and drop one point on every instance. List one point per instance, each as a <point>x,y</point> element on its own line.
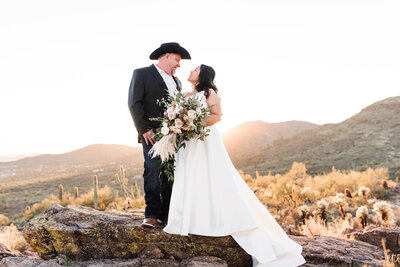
<point>212,94</point>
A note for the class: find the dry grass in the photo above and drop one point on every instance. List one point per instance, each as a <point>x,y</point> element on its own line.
<point>108,200</point>
<point>294,197</point>
<point>4,220</point>
<point>12,238</point>
<point>316,226</point>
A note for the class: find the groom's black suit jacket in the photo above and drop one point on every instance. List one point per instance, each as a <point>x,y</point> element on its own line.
<point>146,87</point>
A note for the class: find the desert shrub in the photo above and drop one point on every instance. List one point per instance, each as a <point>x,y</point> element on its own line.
<point>343,193</point>
<point>12,238</point>
<point>105,196</point>
<point>316,226</point>
<point>4,220</point>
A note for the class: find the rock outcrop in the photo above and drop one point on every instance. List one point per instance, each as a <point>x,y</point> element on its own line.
<point>374,235</point>
<point>136,262</point>
<point>81,234</point>
<point>334,251</point>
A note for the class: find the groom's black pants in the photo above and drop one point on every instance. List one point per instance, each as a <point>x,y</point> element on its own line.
<point>157,188</point>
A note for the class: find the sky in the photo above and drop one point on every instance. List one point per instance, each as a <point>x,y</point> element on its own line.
<point>66,65</point>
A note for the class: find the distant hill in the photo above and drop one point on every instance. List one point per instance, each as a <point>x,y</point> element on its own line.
<point>6,158</point>
<point>97,153</point>
<point>242,140</point>
<point>370,138</point>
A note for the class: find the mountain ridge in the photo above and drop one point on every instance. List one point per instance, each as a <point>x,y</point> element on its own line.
<point>369,138</point>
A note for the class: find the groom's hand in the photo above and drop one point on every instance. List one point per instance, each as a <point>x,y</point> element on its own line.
<point>148,137</point>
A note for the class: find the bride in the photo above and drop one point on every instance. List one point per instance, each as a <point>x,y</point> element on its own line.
<point>210,198</point>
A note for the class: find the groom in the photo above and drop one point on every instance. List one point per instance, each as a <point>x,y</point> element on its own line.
<point>147,86</point>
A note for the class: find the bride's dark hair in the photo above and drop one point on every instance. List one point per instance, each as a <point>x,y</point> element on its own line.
<point>206,80</point>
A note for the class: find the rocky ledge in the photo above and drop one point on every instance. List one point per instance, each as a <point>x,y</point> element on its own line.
<point>375,235</point>
<point>80,234</point>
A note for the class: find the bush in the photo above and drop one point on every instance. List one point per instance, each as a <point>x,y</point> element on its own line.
<point>13,239</point>
<point>4,220</point>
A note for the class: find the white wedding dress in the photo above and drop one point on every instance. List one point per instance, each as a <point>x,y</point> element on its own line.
<point>210,198</point>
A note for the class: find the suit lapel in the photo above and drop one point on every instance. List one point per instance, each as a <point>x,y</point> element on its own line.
<point>178,83</point>
<point>158,77</point>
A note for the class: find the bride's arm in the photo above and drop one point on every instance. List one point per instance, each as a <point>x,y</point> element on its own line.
<point>214,102</point>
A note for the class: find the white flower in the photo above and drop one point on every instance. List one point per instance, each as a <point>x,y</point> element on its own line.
<point>191,114</point>
<point>178,109</point>
<point>170,109</point>
<point>165,124</point>
<point>178,123</point>
<point>164,130</point>
<point>171,115</point>
<point>198,111</point>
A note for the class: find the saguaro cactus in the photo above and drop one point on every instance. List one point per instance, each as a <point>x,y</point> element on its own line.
<point>76,191</point>
<point>122,181</point>
<point>96,190</point>
<point>60,192</point>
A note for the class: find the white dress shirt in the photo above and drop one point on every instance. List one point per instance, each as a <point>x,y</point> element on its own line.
<point>169,81</point>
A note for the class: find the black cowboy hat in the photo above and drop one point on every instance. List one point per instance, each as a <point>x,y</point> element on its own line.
<point>170,48</point>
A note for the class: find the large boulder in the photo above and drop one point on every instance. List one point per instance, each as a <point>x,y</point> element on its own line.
<point>26,262</point>
<point>84,234</point>
<point>375,235</point>
<point>136,262</point>
<point>334,251</point>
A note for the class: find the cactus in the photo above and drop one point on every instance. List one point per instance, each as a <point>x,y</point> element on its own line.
<point>302,211</point>
<point>96,190</point>
<point>117,180</point>
<point>76,191</point>
<point>340,201</point>
<point>122,181</point>
<point>362,215</point>
<point>385,185</point>
<point>348,193</point>
<point>363,191</point>
<point>384,210</point>
<point>322,210</point>
<point>60,192</point>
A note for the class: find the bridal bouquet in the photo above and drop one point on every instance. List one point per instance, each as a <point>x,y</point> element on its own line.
<point>182,120</point>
